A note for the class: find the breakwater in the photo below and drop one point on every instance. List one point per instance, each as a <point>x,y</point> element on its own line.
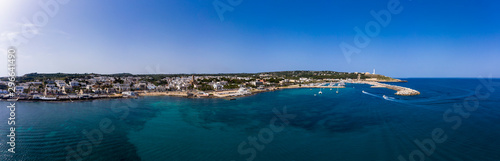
<point>402,91</point>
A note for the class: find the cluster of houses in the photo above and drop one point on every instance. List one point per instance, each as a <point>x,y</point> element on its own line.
<point>100,85</point>
<point>95,86</point>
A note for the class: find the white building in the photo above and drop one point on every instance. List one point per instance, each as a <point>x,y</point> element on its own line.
<point>74,83</point>
<point>151,86</point>
<point>60,83</point>
<point>243,90</point>
<point>257,83</point>
<point>121,87</point>
<point>218,86</point>
<point>304,79</point>
<point>19,89</point>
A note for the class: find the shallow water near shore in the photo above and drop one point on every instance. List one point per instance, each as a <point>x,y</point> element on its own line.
<point>348,125</point>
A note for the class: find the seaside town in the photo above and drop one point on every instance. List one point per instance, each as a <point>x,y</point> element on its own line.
<point>71,87</point>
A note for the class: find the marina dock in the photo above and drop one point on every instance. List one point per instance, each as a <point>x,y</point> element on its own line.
<point>323,85</point>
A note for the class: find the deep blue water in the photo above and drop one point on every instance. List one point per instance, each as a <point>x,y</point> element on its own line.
<point>350,125</point>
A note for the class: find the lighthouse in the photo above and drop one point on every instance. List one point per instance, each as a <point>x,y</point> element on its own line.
<point>373,71</point>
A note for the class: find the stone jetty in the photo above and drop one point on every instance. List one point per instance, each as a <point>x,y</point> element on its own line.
<point>402,91</point>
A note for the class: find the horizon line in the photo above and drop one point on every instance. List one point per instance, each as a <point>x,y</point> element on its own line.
<point>425,77</point>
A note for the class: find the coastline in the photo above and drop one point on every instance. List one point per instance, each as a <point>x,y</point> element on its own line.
<point>223,94</point>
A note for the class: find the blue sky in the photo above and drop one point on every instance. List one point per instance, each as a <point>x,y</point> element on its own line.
<point>426,39</point>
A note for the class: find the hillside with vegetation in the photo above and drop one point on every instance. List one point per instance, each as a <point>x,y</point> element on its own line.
<point>278,75</point>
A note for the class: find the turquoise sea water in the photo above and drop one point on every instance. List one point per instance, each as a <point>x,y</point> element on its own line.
<point>350,125</point>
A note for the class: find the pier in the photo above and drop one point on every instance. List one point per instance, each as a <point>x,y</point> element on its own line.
<point>402,91</point>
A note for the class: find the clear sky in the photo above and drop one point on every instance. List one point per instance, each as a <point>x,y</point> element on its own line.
<point>427,38</point>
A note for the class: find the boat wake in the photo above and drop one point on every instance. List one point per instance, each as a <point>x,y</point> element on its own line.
<point>388,98</point>
<point>383,96</point>
<point>370,94</point>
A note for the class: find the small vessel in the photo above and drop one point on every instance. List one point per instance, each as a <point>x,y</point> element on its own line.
<point>12,99</point>
<point>388,98</point>
<point>320,92</point>
<point>337,90</point>
<point>314,94</point>
<point>330,89</point>
<point>48,98</point>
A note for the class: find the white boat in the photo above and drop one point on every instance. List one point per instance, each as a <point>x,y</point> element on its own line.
<point>12,99</point>
<point>86,96</point>
<point>320,92</point>
<point>385,97</point>
<point>48,98</point>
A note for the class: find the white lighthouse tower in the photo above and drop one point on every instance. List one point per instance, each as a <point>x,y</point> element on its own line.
<point>373,71</point>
